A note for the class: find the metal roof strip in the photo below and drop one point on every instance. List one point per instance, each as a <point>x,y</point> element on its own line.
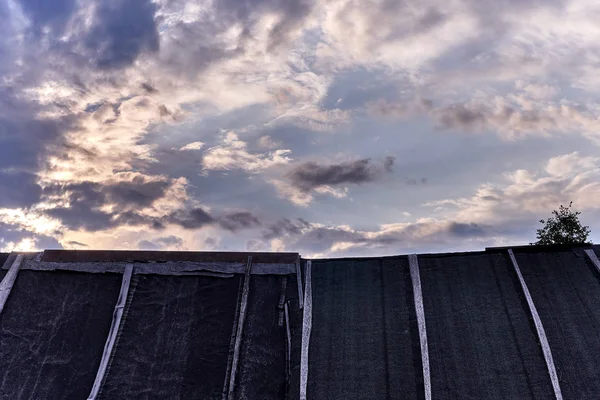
<point>9,280</point>
<point>415,277</point>
<point>299,281</point>
<point>112,333</point>
<point>240,329</point>
<point>164,268</point>
<point>593,258</point>
<point>539,327</point>
<point>306,329</point>
<point>288,335</point>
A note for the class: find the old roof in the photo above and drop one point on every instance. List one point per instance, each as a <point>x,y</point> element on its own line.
<point>504,323</point>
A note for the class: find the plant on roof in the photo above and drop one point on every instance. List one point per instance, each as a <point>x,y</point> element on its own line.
<point>563,227</point>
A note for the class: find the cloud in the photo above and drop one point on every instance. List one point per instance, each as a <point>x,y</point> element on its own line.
<point>289,16</point>
<point>147,245</point>
<point>389,163</point>
<point>76,244</point>
<point>19,189</point>
<point>285,227</point>
<point>124,191</point>
<point>193,219</point>
<point>318,240</point>
<point>14,237</point>
<point>121,30</point>
<point>192,146</point>
<point>161,243</point>
<point>233,154</point>
<point>512,116</point>
<point>467,229</point>
<point>389,33</point>
<point>90,145</point>
<point>311,175</point>
<point>497,214</point>
<point>48,14</point>
<point>267,142</point>
<point>148,88</point>
<point>234,221</point>
<point>291,193</point>
<point>526,196</point>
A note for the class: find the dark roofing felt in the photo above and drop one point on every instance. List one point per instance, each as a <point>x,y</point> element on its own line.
<point>179,326</point>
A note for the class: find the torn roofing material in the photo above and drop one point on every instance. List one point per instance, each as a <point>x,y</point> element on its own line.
<point>207,325</point>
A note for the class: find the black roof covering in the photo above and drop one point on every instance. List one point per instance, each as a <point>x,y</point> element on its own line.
<point>212,331</point>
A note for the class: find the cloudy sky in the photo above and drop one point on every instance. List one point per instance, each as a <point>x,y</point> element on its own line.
<point>331,128</point>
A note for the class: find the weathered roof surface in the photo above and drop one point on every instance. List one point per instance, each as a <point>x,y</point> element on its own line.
<point>77,324</point>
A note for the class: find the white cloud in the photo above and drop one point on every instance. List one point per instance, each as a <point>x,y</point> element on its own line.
<point>291,193</point>
<point>529,195</point>
<point>232,154</point>
<point>398,34</point>
<point>267,142</point>
<point>192,146</point>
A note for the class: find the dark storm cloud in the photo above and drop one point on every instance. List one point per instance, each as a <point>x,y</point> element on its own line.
<point>192,219</point>
<point>80,216</point>
<point>235,221</point>
<point>18,189</point>
<point>86,199</point>
<point>148,88</point>
<point>477,117</point>
<point>285,227</point>
<point>121,31</point>
<point>460,117</point>
<point>23,143</point>
<point>138,192</point>
<point>474,117</point>
<point>46,13</point>
<point>75,243</point>
<point>467,230</point>
<point>311,175</point>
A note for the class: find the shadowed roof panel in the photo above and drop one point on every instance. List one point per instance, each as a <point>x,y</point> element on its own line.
<point>481,342</point>
<point>566,290</point>
<point>175,338</point>
<point>52,333</point>
<point>364,341</point>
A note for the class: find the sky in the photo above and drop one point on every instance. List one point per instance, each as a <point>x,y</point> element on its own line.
<point>330,128</point>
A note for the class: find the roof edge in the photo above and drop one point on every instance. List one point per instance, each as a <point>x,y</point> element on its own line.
<point>82,256</point>
<point>540,248</point>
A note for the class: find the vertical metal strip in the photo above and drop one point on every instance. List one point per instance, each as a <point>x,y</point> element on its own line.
<point>112,334</point>
<point>280,306</point>
<point>299,281</point>
<point>240,329</point>
<point>288,335</point>
<point>415,277</point>
<point>539,328</point>
<point>593,258</point>
<point>9,280</point>
<point>306,329</point>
